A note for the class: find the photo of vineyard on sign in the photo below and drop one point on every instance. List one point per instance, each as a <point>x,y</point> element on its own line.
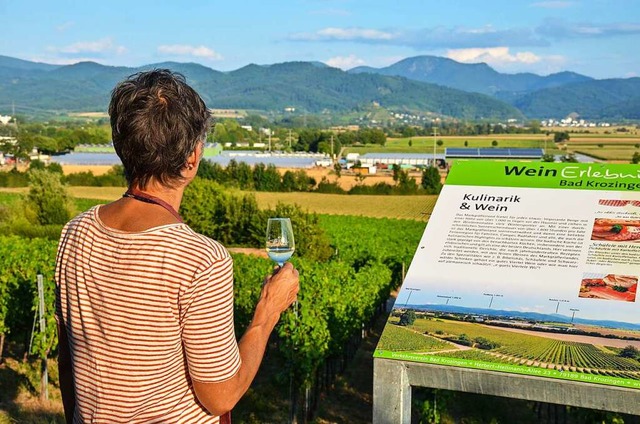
<point>525,274</point>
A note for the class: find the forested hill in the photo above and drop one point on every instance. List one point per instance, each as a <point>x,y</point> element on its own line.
<point>307,86</point>
<point>552,96</point>
<point>473,77</point>
<point>601,99</point>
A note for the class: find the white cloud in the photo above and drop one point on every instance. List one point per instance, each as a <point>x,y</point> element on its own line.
<point>188,50</point>
<point>344,34</point>
<point>427,38</point>
<point>492,56</point>
<point>345,62</point>
<point>561,29</point>
<point>501,59</point>
<point>104,45</point>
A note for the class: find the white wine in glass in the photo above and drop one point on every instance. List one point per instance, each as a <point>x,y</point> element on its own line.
<point>280,242</point>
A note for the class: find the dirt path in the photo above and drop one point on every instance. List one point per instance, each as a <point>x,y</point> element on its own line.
<point>249,251</point>
<point>596,341</point>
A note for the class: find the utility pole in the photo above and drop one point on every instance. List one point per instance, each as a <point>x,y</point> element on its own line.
<point>331,146</point>
<point>435,134</point>
<point>289,138</point>
<point>411,290</point>
<point>44,376</point>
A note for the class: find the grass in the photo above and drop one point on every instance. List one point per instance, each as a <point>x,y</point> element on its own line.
<point>617,153</point>
<point>19,387</point>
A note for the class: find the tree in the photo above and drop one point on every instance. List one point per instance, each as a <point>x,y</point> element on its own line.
<point>19,148</point>
<point>494,143</point>
<point>548,157</point>
<point>534,126</point>
<point>406,184</point>
<point>635,158</point>
<point>561,137</point>
<point>629,352</point>
<point>431,180</point>
<point>396,172</point>
<point>408,131</point>
<point>439,142</point>
<point>407,318</point>
<point>337,168</point>
<point>569,157</point>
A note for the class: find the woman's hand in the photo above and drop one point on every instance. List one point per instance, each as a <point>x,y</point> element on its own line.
<point>280,289</point>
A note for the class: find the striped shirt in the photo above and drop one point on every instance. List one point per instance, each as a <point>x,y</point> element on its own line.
<point>145,314</point>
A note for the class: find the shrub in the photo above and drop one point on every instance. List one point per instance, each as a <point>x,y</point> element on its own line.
<point>235,220</point>
<point>325,186</point>
<point>212,211</point>
<point>14,178</point>
<point>48,198</point>
<point>378,188</point>
<point>311,241</point>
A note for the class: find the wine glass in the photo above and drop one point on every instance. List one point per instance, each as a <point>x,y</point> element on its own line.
<point>280,242</point>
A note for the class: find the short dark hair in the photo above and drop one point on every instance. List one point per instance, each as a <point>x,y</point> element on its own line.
<point>157,121</point>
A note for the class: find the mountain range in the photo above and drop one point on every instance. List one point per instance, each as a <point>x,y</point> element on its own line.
<point>533,316</point>
<point>428,84</point>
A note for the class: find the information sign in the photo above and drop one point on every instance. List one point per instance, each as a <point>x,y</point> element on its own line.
<point>527,268</point>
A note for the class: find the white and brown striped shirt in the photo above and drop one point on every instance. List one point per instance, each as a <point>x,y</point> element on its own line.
<point>145,314</point>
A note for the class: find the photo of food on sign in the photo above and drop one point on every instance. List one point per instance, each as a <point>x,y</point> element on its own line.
<point>606,229</point>
<point>609,287</point>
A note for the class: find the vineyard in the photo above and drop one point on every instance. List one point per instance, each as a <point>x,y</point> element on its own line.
<point>513,348</point>
<point>338,299</point>
<point>399,339</point>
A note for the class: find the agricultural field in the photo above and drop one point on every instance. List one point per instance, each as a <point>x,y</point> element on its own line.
<point>398,338</point>
<point>512,347</point>
<point>606,143</point>
<point>397,207</point>
<point>612,153</point>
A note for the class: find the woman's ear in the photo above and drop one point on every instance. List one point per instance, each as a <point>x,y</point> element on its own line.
<point>193,160</point>
<point>192,163</point>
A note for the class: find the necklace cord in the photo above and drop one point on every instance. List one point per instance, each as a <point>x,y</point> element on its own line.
<point>147,198</point>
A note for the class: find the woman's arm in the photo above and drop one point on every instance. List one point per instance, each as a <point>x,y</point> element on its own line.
<point>279,292</point>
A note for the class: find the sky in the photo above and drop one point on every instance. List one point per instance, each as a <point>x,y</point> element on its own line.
<point>598,38</point>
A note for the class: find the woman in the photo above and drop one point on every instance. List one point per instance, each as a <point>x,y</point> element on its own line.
<point>144,304</point>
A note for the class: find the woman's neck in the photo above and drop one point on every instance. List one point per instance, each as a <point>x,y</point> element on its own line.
<point>173,196</point>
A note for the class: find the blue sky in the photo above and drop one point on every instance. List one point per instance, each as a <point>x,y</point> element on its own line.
<point>599,38</point>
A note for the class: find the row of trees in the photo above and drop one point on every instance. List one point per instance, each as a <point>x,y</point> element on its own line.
<point>267,178</point>
<point>458,128</point>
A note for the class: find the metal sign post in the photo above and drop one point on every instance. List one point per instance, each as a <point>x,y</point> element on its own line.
<point>44,380</point>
